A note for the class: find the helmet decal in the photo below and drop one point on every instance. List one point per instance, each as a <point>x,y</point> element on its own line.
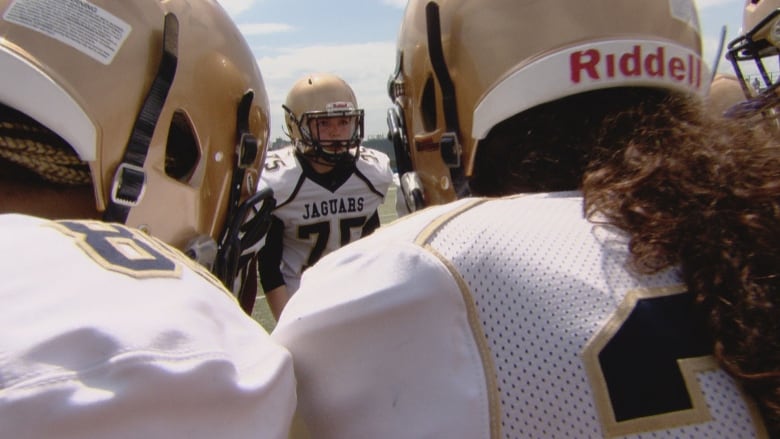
<point>161,158</point>
<point>462,68</point>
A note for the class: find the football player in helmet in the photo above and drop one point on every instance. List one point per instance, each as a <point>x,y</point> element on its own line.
<point>619,275</point>
<point>130,133</point>
<point>327,187</point>
<point>747,53</point>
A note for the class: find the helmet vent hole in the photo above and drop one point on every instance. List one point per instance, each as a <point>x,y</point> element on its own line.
<point>428,106</point>
<point>181,152</point>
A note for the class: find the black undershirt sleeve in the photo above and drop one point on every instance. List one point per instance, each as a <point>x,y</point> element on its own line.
<point>371,225</point>
<point>269,258</point>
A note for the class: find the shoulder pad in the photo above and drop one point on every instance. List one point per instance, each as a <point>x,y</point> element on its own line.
<point>375,165</point>
<point>281,172</point>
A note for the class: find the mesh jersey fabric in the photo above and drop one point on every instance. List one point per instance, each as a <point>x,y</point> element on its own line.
<point>511,317</point>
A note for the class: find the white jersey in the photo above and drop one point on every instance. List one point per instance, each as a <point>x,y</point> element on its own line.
<point>318,218</point>
<point>511,317</point>
<point>110,333</point>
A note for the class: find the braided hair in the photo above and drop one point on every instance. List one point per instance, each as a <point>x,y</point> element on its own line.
<point>30,145</point>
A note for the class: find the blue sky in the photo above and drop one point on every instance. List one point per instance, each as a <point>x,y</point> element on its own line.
<point>355,39</point>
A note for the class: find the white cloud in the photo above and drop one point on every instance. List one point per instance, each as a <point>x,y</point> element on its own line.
<point>236,7</point>
<point>249,29</point>
<point>365,67</point>
<point>396,3</point>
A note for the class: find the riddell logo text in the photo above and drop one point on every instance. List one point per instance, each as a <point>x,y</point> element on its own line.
<point>598,65</point>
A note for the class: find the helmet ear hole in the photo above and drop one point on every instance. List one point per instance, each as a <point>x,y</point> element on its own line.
<point>181,152</point>
<point>428,106</point>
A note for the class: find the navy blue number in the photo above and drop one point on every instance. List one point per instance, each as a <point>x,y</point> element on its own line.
<point>321,231</point>
<point>107,241</point>
<point>639,362</point>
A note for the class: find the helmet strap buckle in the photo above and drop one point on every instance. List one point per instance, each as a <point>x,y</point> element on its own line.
<point>246,149</point>
<point>129,185</point>
<point>451,149</point>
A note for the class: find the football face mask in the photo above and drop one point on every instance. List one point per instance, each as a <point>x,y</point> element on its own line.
<point>332,137</point>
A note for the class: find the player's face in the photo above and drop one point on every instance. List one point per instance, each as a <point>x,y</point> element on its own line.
<point>338,128</point>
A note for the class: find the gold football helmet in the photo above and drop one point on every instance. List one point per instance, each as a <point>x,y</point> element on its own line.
<point>316,104</point>
<point>760,41</point>
<point>725,92</point>
<point>463,66</point>
<point>163,100</point>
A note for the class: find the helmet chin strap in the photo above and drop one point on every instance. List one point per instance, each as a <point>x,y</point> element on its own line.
<point>449,145</point>
<point>317,150</point>
<point>317,153</point>
<point>129,184</point>
<point>246,223</point>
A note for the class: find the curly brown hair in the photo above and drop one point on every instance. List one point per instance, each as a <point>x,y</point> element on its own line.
<point>690,190</point>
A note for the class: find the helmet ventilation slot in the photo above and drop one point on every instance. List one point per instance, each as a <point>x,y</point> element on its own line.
<point>181,151</point>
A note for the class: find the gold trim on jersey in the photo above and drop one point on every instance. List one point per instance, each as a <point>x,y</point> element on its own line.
<point>195,266</point>
<point>131,249</point>
<point>486,356</point>
<point>491,380</point>
<point>426,233</point>
<point>689,367</point>
<point>122,244</point>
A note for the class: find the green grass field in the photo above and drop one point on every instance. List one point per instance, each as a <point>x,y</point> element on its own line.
<point>262,313</point>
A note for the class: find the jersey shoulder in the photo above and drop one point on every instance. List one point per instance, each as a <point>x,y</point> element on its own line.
<point>375,165</point>
<point>118,302</point>
<point>93,247</point>
<point>281,172</point>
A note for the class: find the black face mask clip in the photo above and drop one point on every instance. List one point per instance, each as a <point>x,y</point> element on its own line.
<point>246,223</point>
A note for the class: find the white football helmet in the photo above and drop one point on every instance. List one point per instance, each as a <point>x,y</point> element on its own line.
<point>748,53</point>
<point>317,104</point>
<point>463,66</point>
<point>165,102</point>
